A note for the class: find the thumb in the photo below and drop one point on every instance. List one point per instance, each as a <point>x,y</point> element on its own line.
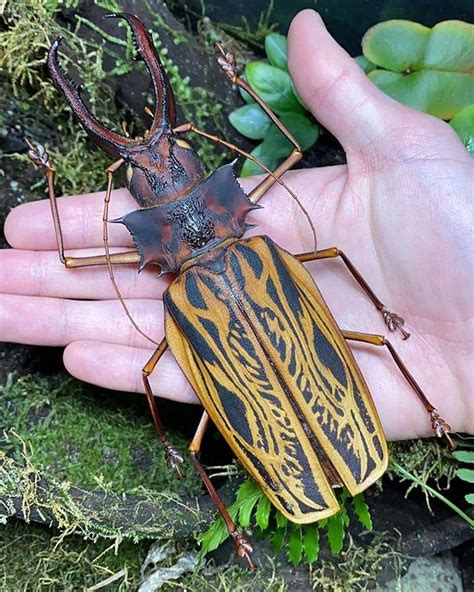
<point>335,89</point>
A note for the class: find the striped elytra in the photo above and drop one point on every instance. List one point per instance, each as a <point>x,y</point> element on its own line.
<point>258,344</point>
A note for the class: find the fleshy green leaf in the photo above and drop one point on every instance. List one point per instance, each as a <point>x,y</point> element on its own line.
<point>401,46</point>
<point>361,510</point>
<point>281,520</point>
<point>249,168</point>
<point>276,147</point>
<point>278,538</point>
<point>276,48</point>
<point>428,69</point>
<point>251,121</point>
<point>303,129</point>
<point>464,442</point>
<point>469,498</point>
<point>262,515</point>
<point>244,94</point>
<point>295,545</point>
<point>465,456</point>
<point>335,532</point>
<point>274,86</point>
<point>441,94</point>
<point>466,475</point>
<point>463,125</point>
<point>365,64</point>
<point>311,542</point>
<point>396,45</point>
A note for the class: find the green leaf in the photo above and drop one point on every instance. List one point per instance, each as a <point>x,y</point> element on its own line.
<point>335,532</point>
<point>276,48</point>
<point>281,520</point>
<point>469,498</point>
<point>278,538</point>
<point>465,456</point>
<point>213,537</point>
<point>249,168</point>
<point>295,545</point>
<point>247,489</point>
<point>244,94</point>
<point>361,510</point>
<point>464,442</point>
<point>247,497</point>
<point>401,46</point>
<point>365,64</point>
<point>441,94</point>
<point>274,86</point>
<point>311,542</point>
<point>276,147</point>
<point>262,515</point>
<point>251,121</point>
<point>396,45</point>
<point>466,475</point>
<point>303,129</point>
<point>428,69</point>
<point>305,132</point>
<point>463,125</point>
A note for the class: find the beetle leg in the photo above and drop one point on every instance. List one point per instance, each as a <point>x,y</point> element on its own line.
<point>173,457</point>
<point>271,178</point>
<point>227,62</point>
<point>242,546</point>
<point>40,157</point>
<point>392,320</point>
<point>440,427</point>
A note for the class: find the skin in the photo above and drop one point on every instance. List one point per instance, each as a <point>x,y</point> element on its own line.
<point>400,209</point>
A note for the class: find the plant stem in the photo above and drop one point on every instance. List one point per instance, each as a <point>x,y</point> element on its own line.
<point>433,492</point>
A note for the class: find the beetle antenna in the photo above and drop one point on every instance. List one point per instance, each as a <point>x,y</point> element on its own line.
<point>105,217</point>
<point>293,195</point>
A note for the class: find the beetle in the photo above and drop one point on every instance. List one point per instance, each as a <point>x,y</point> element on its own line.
<point>243,317</point>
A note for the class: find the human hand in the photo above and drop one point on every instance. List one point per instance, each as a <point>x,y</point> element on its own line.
<point>400,210</point>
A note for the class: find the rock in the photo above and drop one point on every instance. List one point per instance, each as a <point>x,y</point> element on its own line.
<point>434,574</point>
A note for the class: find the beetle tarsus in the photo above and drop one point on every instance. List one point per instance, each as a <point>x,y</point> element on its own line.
<point>243,548</point>
<point>37,154</point>
<point>226,61</point>
<point>173,458</point>
<point>441,428</point>
<point>394,322</point>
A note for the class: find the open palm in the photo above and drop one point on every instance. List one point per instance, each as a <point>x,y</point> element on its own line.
<point>400,209</point>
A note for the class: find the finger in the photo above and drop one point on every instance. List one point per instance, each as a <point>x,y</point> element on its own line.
<point>119,367</point>
<point>335,89</point>
<point>30,225</point>
<point>57,322</point>
<point>40,273</point>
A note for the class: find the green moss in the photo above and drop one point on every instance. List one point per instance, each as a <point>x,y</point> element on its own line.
<point>358,566</point>
<point>428,460</point>
<point>78,434</point>
<point>37,559</point>
<point>31,26</point>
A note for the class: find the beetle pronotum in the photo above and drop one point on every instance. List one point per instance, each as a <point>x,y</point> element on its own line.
<point>243,318</point>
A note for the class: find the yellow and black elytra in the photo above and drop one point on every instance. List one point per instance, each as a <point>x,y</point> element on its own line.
<point>243,318</point>
<point>274,373</point>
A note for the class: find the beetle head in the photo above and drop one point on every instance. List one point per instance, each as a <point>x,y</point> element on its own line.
<point>160,167</point>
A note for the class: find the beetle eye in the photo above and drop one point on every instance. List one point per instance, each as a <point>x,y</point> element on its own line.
<point>183,143</point>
